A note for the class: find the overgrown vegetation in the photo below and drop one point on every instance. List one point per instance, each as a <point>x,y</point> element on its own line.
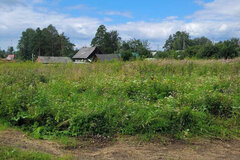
<point>166,97</point>
<point>48,42</point>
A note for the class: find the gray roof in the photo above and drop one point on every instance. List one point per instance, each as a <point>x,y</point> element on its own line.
<point>46,59</point>
<point>84,52</point>
<point>107,57</point>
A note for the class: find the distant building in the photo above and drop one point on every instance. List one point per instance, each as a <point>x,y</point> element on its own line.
<point>107,57</point>
<point>86,54</point>
<point>135,54</point>
<point>150,59</point>
<point>50,60</point>
<point>10,57</point>
<point>153,53</point>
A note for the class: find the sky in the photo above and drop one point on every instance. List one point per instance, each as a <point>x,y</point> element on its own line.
<point>152,20</point>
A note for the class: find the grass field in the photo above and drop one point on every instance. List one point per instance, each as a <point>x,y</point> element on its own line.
<point>180,99</point>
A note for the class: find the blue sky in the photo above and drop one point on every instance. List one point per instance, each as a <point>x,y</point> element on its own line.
<point>133,9</point>
<point>152,20</point>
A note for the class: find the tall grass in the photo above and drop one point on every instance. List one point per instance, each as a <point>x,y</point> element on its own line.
<point>168,97</point>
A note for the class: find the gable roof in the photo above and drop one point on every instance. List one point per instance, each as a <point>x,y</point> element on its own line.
<point>47,60</point>
<point>84,52</point>
<point>11,55</point>
<point>107,57</point>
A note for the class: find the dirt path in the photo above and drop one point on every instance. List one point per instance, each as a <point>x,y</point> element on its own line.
<point>123,150</point>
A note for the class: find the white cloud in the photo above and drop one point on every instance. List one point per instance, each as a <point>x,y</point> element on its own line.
<point>80,7</point>
<point>219,19</point>
<point>12,2</point>
<point>171,18</point>
<point>16,19</point>
<point>219,10</point>
<point>117,13</point>
<point>38,1</point>
<point>106,19</point>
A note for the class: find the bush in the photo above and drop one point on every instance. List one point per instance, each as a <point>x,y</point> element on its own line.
<point>219,105</point>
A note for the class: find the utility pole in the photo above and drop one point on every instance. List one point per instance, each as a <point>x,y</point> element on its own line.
<point>61,47</point>
<point>184,43</point>
<point>52,47</point>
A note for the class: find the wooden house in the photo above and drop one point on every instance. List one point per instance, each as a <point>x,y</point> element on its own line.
<point>86,54</point>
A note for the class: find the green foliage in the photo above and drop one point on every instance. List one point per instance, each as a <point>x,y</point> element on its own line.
<point>8,153</point>
<point>45,42</point>
<point>126,55</point>
<point>219,105</point>
<point>25,44</point>
<point>178,41</point>
<point>3,53</point>
<point>168,97</point>
<point>201,41</point>
<point>228,49</point>
<point>207,51</point>
<point>107,42</point>
<point>180,46</point>
<point>4,125</point>
<point>135,46</point>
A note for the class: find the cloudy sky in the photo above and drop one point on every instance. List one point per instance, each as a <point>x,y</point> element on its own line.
<point>152,20</point>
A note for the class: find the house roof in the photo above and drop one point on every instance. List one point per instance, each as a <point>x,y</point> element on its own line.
<point>107,57</point>
<point>46,60</point>
<point>11,55</point>
<point>84,52</point>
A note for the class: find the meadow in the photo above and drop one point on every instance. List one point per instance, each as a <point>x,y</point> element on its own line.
<point>176,98</point>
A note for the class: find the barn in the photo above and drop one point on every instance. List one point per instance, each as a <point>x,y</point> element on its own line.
<point>107,57</point>
<point>51,60</point>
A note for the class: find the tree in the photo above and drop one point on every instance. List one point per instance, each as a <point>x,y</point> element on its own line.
<point>169,43</point>
<point>178,41</point>
<point>107,42</point>
<point>208,51</point>
<point>98,40</point>
<point>26,45</point>
<point>66,48</point>
<point>126,55</point>
<point>53,37</point>
<point>10,50</point>
<point>227,49</point>
<point>2,53</point>
<point>192,51</point>
<point>39,42</point>
<point>135,46</point>
<point>201,41</point>
<point>46,42</point>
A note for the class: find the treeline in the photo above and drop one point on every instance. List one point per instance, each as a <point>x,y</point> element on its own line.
<point>45,42</point>
<point>48,42</point>
<point>180,46</point>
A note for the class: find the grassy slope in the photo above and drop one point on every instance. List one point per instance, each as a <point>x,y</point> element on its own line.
<point>168,97</point>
